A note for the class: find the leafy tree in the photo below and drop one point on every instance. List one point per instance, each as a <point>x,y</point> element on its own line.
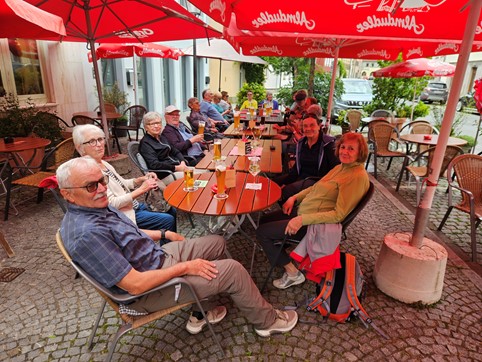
<point>254,73</point>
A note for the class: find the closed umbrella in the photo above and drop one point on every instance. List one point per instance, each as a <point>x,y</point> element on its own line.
<point>119,21</point>
<point>146,50</point>
<point>19,19</point>
<point>416,68</point>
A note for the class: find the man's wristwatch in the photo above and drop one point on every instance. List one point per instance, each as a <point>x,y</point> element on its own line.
<point>163,233</point>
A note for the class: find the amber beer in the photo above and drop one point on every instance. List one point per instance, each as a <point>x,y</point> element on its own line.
<point>221,179</point>
<point>217,150</point>
<point>200,130</point>
<point>269,110</point>
<point>189,178</point>
<point>251,112</point>
<point>237,120</point>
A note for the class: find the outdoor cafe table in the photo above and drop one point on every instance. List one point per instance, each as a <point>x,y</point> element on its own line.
<point>15,150</point>
<point>423,139</point>
<point>239,203</point>
<point>276,117</point>
<point>270,161</point>
<point>268,131</point>
<point>398,122</point>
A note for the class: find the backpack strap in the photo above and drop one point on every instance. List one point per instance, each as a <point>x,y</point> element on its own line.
<point>324,293</point>
<point>353,298</point>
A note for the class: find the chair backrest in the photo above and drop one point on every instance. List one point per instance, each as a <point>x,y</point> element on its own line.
<point>383,113</point>
<point>134,115</point>
<point>354,117</point>
<point>381,134</point>
<point>62,124</point>
<point>65,151</point>
<point>77,120</point>
<point>468,170</point>
<point>359,207</point>
<point>450,153</point>
<point>109,107</point>
<point>419,127</point>
<point>136,157</point>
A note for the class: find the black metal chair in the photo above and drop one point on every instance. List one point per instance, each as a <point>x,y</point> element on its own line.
<point>130,322</point>
<point>134,115</point>
<point>345,223</point>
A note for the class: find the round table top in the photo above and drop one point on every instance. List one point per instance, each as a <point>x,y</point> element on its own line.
<point>97,115</point>
<point>422,139</point>
<point>23,143</point>
<point>240,200</point>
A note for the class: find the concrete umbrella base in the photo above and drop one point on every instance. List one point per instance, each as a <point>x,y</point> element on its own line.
<point>409,274</point>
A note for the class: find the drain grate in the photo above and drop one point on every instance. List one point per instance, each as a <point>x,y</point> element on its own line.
<point>9,274</point>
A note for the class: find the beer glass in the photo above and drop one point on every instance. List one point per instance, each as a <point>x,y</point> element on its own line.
<point>251,112</point>
<point>221,180</point>
<point>217,150</point>
<point>237,120</point>
<point>269,109</point>
<point>254,168</point>
<point>256,136</point>
<point>200,130</point>
<point>189,179</point>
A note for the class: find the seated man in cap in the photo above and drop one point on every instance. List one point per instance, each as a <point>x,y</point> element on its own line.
<point>120,256</point>
<point>181,138</point>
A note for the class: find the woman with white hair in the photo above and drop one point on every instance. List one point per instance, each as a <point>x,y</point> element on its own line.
<point>122,193</point>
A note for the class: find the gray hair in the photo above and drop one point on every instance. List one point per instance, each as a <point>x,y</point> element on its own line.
<point>64,171</point>
<point>316,110</point>
<point>151,116</point>
<point>191,100</point>
<point>78,135</point>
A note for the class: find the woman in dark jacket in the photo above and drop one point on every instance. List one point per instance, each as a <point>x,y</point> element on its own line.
<point>157,152</point>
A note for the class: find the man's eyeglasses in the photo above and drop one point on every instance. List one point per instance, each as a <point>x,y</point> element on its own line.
<point>94,141</point>
<point>152,124</point>
<point>92,186</point>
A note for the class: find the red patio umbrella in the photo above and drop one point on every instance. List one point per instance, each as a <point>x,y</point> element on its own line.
<point>20,19</point>
<point>414,68</point>
<point>118,21</point>
<point>146,50</point>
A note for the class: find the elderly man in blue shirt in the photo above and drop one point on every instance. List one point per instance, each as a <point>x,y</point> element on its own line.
<point>208,109</point>
<point>120,256</point>
<point>181,138</point>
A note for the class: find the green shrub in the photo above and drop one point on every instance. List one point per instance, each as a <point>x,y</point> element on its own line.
<point>115,96</point>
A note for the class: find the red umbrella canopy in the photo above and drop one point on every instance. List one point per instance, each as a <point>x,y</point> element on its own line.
<point>19,19</point>
<point>111,51</point>
<point>416,68</point>
<point>120,21</point>
<point>437,20</point>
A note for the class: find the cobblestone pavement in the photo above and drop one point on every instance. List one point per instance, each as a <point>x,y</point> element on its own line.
<point>47,315</point>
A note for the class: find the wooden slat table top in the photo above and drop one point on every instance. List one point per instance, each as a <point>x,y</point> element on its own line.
<point>240,201</point>
<point>268,132</point>
<point>270,159</point>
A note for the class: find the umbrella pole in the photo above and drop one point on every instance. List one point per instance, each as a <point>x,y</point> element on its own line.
<point>332,89</point>
<point>134,60</point>
<point>219,84</point>
<point>105,125</point>
<point>413,100</point>
<point>476,135</point>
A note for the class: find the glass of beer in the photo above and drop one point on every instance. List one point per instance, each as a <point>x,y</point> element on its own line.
<point>269,109</point>
<point>189,179</point>
<point>221,180</point>
<point>254,167</point>
<point>251,112</point>
<point>256,135</point>
<point>217,150</point>
<point>200,130</point>
<point>237,120</point>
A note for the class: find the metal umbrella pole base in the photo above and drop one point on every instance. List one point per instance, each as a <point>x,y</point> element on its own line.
<point>410,274</point>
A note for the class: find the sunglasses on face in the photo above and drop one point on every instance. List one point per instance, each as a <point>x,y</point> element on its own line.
<point>92,186</point>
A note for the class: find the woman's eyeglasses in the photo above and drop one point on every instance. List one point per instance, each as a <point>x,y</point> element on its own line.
<point>92,186</point>
<point>94,141</point>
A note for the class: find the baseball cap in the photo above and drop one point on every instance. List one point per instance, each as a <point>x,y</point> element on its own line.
<point>170,109</point>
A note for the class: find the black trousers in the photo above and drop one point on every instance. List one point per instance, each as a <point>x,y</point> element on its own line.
<point>271,230</point>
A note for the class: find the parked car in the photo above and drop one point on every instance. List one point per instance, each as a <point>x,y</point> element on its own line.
<point>357,94</point>
<point>466,103</point>
<point>435,92</point>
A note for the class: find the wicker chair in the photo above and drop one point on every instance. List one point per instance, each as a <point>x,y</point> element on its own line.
<point>63,152</point>
<point>132,322</point>
<point>383,113</point>
<point>354,117</point>
<point>468,171</point>
<point>418,127</point>
<point>420,172</point>
<point>134,116</point>
<point>380,135</point>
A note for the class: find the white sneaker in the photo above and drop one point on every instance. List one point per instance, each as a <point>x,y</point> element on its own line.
<point>215,315</point>
<point>284,322</point>
<point>287,281</point>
